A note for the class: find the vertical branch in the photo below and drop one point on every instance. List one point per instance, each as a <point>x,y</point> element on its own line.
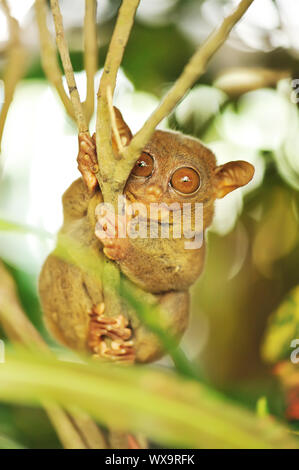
<point>123,26</point>
<point>16,64</point>
<point>90,54</point>
<point>49,57</point>
<point>68,69</point>
<point>114,57</point>
<point>66,431</point>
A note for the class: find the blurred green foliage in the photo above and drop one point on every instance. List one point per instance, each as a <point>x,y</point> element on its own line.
<point>26,427</point>
<point>160,404</point>
<point>283,328</point>
<point>151,59</point>
<point>252,263</point>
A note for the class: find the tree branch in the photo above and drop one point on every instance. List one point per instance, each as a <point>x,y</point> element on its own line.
<point>16,65</point>
<point>122,29</point>
<point>123,26</point>
<point>90,54</point>
<point>68,69</point>
<point>49,57</point>
<point>193,70</point>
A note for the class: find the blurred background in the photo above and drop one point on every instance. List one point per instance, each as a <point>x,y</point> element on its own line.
<point>244,107</point>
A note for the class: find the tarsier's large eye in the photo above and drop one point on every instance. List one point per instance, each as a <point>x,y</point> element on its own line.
<point>144,166</point>
<point>185,180</point>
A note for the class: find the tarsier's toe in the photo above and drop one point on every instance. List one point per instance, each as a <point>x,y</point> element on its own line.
<point>114,248</point>
<point>87,161</point>
<point>112,233</point>
<point>106,229</point>
<point>87,150</point>
<point>86,139</point>
<point>110,337</point>
<point>118,351</point>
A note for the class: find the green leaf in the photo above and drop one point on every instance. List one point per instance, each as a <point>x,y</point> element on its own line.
<point>283,327</point>
<point>9,226</point>
<point>165,407</point>
<point>262,407</point>
<point>7,443</point>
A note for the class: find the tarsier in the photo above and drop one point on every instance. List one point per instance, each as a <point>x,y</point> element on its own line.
<point>173,168</point>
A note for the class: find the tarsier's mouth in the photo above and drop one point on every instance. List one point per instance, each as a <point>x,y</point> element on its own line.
<point>163,214</point>
<point>137,199</point>
<point>131,197</point>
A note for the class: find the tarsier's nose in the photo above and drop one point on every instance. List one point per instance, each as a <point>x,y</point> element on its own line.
<point>153,192</point>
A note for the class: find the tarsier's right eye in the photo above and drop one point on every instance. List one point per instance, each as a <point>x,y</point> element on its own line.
<point>144,166</point>
<point>185,181</point>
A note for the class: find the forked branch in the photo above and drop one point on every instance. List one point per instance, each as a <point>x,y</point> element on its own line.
<point>49,57</point>
<point>90,55</point>
<point>123,26</point>
<point>193,70</point>
<point>121,33</point>
<point>68,68</point>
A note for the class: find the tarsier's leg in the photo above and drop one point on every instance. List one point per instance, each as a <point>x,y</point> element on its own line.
<point>87,160</point>
<point>110,337</point>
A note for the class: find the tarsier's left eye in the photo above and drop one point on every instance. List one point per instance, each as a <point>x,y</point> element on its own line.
<point>185,180</point>
<point>144,166</point>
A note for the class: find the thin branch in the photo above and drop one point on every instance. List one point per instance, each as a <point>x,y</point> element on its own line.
<point>66,430</point>
<point>90,54</point>
<point>93,438</point>
<point>68,69</point>
<point>16,65</point>
<point>193,70</point>
<point>84,433</point>
<point>105,153</point>
<point>114,57</point>
<point>49,57</point>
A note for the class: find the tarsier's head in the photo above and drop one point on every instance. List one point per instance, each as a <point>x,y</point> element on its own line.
<point>178,168</point>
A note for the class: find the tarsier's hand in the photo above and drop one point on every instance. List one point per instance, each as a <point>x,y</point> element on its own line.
<point>87,160</point>
<point>112,231</point>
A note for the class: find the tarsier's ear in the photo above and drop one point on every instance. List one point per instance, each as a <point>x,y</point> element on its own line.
<point>124,134</point>
<point>232,175</point>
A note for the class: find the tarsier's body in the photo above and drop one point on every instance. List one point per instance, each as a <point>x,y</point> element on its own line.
<point>172,168</point>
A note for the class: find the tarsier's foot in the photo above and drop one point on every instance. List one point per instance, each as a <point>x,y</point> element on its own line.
<point>111,230</point>
<point>87,160</point>
<point>109,337</point>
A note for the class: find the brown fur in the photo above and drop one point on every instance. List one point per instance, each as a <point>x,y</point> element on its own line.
<point>68,294</point>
